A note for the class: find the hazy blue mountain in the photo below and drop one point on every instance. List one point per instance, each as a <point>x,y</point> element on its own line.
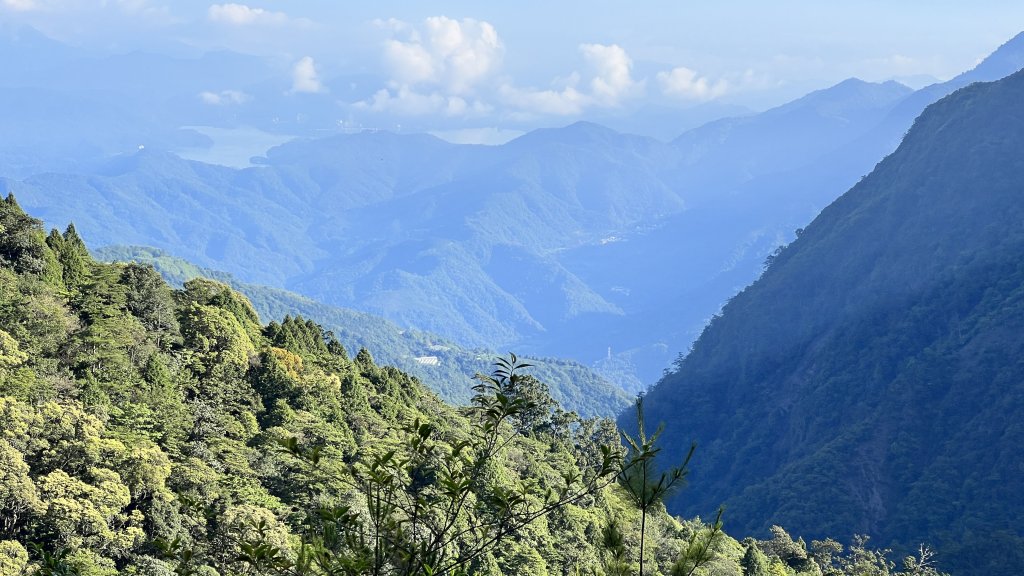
<point>578,242</point>
<point>751,202</point>
<point>667,122</point>
<point>785,137</point>
<point>26,50</point>
<point>436,253</point>
<point>209,213</point>
<point>404,225</point>
<point>62,109</point>
<point>883,138</point>
<point>869,381</point>
<point>740,180</point>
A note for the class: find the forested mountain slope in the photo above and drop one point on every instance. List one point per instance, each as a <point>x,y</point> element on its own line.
<point>870,380</point>
<point>440,364</point>
<point>149,431</point>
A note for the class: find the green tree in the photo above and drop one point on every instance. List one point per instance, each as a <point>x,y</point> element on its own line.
<point>23,243</point>
<point>754,562</point>
<point>11,355</point>
<point>72,255</point>
<point>206,292</point>
<point>923,564</point>
<point>616,561</point>
<point>431,507</point>
<point>149,298</point>
<point>19,498</point>
<point>640,477</point>
<point>782,546</point>
<point>13,558</point>
<point>220,348</point>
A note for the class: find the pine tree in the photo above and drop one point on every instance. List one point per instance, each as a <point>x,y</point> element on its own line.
<point>754,562</point>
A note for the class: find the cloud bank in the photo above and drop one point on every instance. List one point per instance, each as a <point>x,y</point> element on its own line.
<point>20,5</point>
<point>243,15</point>
<point>453,67</point>
<point>454,56</point>
<point>686,84</point>
<point>607,82</point>
<point>305,78</point>
<point>224,97</point>
<point>613,80</point>
<point>441,66</point>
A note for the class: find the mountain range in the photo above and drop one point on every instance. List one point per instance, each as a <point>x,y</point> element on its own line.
<point>579,242</point>
<point>867,382</point>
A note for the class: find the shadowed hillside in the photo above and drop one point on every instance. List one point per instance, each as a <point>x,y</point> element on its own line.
<point>869,381</point>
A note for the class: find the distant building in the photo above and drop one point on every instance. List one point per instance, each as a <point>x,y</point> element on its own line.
<point>428,360</point>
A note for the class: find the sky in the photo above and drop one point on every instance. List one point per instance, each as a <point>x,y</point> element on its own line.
<point>528,63</point>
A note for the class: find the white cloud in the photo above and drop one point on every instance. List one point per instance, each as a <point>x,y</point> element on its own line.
<point>305,78</point>
<point>436,67</point>
<point>685,83</point>
<point>450,66</point>
<point>613,80</point>
<point>454,56</point>
<point>405,101</point>
<point>410,63</point>
<point>224,97</point>
<point>63,12</point>
<point>609,84</point>
<point>565,102</point>
<point>20,5</point>
<point>242,15</point>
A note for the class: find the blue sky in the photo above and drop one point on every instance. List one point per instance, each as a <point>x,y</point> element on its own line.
<point>543,62</point>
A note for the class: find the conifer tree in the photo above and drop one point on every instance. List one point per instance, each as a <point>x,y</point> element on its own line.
<point>754,562</point>
<point>640,476</point>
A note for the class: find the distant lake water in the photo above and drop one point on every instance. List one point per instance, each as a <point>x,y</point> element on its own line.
<point>232,147</point>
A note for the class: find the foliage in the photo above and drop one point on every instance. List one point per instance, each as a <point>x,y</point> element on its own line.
<point>646,486</point>
<point>435,361</point>
<point>430,508</point>
<point>150,431</point>
<point>145,430</point>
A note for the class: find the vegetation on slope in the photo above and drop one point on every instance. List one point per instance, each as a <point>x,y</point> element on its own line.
<point>438,363</point>
<point>151,431</point>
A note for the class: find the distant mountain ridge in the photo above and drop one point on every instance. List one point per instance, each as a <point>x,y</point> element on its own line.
<point>627,245</point>
<point>801,130</point>
<point>874,366</point>
<point>388,222</point>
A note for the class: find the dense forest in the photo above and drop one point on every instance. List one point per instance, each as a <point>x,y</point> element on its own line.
<point>871,380</point>
<point>147,430</point>
<point>439,363</point>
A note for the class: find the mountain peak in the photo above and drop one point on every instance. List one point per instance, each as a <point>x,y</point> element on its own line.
<point>22,45</point>
<point>851,93</point>
<point>577,133</point>
<point>145,160</point>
